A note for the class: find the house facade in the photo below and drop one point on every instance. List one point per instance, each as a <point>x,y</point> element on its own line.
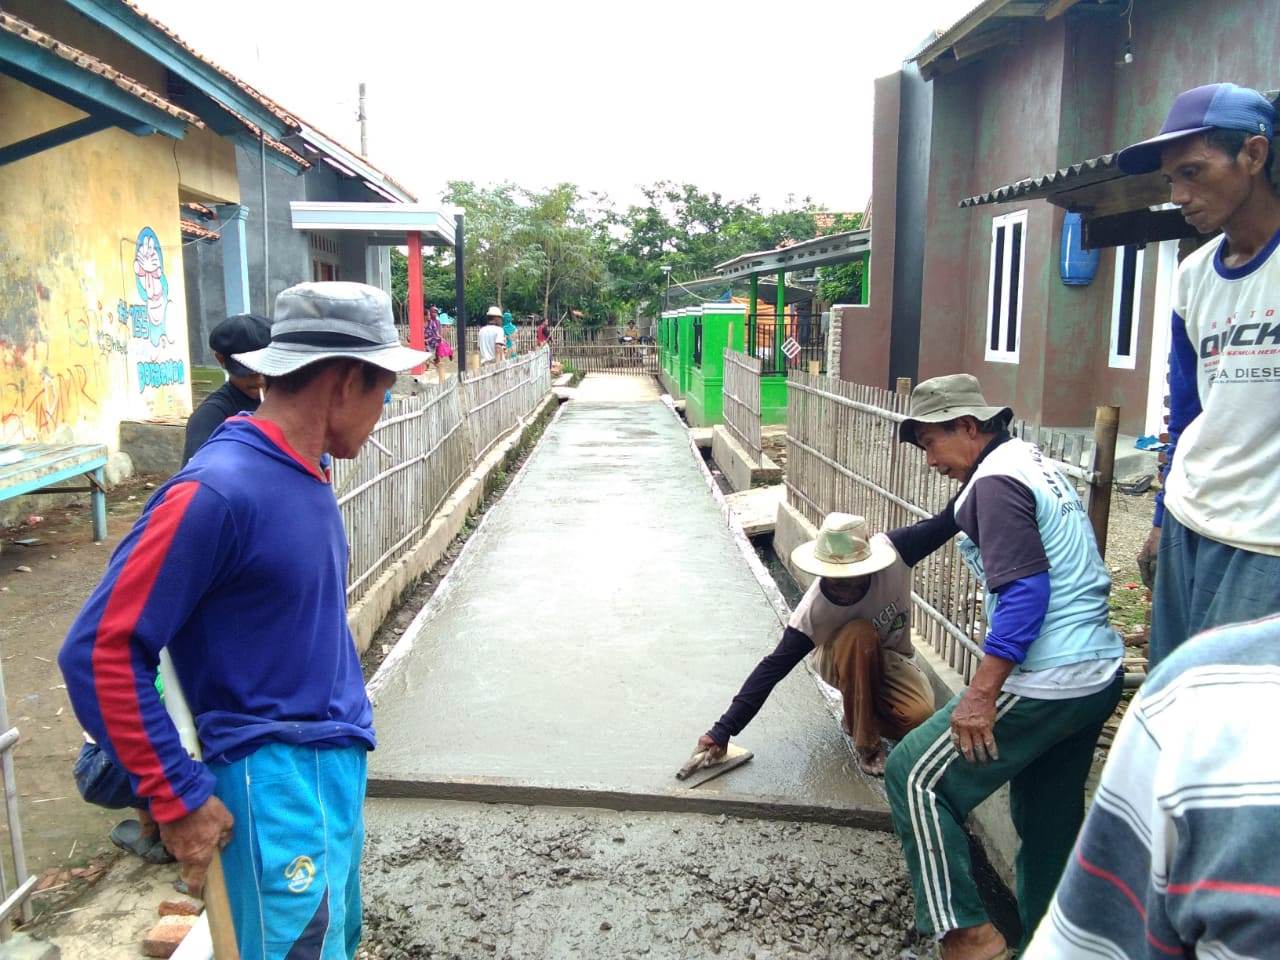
<point>108,123</point>
<point>1018,91</point>
<point>283,255</point>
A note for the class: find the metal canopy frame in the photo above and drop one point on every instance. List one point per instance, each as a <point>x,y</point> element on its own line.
<point>1118,208</point>
<point>384,224</point>
<point>808,254</point>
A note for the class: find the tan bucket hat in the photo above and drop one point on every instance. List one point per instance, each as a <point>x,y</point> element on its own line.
<point>843,548</point>
<point>494,312</point>
<point>942,399</point>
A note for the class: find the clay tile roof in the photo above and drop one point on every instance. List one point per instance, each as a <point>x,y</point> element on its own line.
<point>199,209</point>
<point>194,231</point>
<point>270,141</point>
<point>27,32</point>
<point>274,108</point>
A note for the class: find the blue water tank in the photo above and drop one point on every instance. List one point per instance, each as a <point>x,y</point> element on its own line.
<point>1078,264</point>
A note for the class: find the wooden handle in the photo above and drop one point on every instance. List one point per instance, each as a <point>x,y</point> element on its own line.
<point>218,906</point>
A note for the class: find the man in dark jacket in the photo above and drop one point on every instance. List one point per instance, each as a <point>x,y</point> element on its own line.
<point>242,392</point>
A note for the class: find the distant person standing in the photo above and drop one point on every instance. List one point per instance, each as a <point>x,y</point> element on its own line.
<point>491,340</point>
<point>1215,539</point>
<point>509,332</point>
<point>544,332</point>
<point>242,392</point>
<point>434,336</point>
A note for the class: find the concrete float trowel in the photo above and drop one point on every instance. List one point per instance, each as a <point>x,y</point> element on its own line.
<point>702,767</point>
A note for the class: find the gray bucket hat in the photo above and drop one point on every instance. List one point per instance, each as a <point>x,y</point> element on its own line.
<point>328,319</point>
<point>943,399</point>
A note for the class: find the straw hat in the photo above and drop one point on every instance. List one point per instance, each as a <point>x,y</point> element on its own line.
<point>494,312</point>
<point>843,548</point>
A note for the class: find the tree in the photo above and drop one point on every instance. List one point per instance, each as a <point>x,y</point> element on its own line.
<point>494,231</point>
<point>843,282</point>
<point>560,249</point>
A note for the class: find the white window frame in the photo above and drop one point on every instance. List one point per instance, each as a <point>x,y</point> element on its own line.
<point>1007,316</point>
<point>1115,358</point>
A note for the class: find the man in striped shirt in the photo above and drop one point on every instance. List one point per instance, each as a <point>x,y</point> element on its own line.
<point>1177,856</point>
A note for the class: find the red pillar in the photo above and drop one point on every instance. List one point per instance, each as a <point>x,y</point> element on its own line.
<point>417,331</point>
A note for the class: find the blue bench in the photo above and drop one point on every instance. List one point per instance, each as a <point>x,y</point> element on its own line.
<point>34,468</point>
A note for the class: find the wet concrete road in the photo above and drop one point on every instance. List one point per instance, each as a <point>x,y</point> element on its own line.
<point>597,623</point>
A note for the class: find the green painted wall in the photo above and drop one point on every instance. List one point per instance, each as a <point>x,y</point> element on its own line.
<point>685,363</point>
<point>705,401</point>
<point>773,400</point>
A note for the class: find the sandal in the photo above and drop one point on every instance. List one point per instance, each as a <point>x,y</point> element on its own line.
<point>128,836</point>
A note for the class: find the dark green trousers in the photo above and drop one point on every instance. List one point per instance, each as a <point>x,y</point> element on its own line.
<point>1046,750</point>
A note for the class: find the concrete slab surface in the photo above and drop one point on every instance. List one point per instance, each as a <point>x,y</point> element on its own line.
<point>599,620</point>
<point>617,388</point>
<point>757,509</point>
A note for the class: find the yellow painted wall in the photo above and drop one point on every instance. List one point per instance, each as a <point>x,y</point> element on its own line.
<point>93,326</point>
<point>207,167</point>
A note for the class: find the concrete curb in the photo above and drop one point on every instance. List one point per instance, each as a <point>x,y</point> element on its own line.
<point>770,589</point>
<point>736,464</point>
<point>499,790</point>
<point>381,598</point>
<point>791,530</point>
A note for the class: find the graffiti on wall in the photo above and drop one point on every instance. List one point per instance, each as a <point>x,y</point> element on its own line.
<point>72,367</point>
<point>147,320</point>
<point>153,287</point>
<point>56,381</point>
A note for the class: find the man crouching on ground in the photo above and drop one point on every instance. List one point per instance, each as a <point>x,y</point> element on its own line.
<point>857,616</point>
<point>238,566</point>
<point>1048,680</point>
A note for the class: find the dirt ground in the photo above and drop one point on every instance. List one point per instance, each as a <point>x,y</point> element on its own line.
<point>60,831</point>
<point>461,880</point>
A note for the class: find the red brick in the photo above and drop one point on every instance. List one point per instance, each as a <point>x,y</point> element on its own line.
<point>182,907</point>
<point>166,935</point>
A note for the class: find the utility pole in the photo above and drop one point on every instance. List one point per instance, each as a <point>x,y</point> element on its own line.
<point>364,126</point>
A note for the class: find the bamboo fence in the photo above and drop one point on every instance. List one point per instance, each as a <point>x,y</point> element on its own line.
<point>501,394</point>
<point>843,455</point>
<point>435,439</point>
<point>742,401</point>
<point>525,339</point>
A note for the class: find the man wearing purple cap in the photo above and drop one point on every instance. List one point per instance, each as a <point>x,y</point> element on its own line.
<point>1216,530</point>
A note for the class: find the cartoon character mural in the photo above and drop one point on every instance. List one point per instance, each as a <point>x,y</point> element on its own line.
<point>153,287</point>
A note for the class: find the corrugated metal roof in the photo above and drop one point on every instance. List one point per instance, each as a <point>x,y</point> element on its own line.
<point>815,252</point>
<point>1094,170</point>
<point>29,33</point>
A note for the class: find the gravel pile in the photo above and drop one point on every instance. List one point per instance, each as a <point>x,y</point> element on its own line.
<point>455,880</point>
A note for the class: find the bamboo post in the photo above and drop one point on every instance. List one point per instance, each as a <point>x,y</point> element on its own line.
<point>1106,424</point>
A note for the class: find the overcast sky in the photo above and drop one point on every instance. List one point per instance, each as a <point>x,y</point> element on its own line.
<point>739,97</point>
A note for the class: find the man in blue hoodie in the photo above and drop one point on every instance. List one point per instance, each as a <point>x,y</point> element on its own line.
<point>238,567</point>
